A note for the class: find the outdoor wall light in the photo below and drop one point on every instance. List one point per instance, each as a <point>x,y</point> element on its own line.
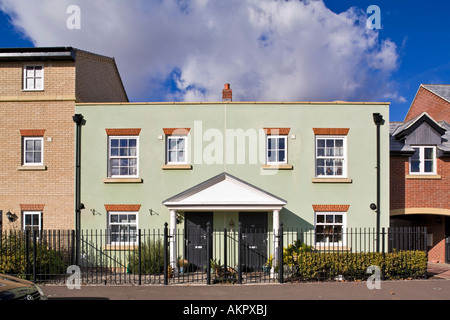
<point>10,216</point>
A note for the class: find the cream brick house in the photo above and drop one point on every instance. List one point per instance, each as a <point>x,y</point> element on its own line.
<point>39,88</point>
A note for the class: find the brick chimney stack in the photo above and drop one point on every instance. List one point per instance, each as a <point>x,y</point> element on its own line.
<point>227,93</point>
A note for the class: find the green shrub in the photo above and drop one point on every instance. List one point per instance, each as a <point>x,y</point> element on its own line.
<point>152,258</point>
<point>312,266</point>
<point>16,259</point>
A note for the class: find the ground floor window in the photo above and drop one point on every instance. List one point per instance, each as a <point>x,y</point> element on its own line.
<point>32,220</point>
<point>330,227</point>
<point>122,227</point>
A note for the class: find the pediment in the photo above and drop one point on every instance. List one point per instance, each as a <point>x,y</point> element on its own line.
<point>222,192</point>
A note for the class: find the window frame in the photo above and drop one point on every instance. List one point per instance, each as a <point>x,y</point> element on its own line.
<point>277,136</point>
<point>344,156</point>
<point>343,224</point>
<point>128,224</point>
<point>110,157</point>
<point>25,77</point>
<point>32,226</point>
<point>24,151</point>
<point>186,149</point>
<point>422,160</point>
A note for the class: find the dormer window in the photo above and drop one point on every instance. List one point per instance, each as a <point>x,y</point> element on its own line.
<point>33,78</point>
<point>423,161</point>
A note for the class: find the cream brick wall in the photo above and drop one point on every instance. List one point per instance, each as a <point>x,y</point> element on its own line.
<point>91,78</point>
<point>53,187</point>
<point>59,80</point>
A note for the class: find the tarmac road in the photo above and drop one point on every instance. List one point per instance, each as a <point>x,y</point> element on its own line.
<point>436,287</point>
<point>431,289</point>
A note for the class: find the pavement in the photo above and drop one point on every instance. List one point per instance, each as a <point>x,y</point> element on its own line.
<point>435,287</point>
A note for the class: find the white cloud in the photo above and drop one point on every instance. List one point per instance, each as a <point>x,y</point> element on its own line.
<point>268,50</point>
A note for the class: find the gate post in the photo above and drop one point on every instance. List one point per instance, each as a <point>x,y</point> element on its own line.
<point>34,255</point>
<point>208,253</point>
<point>240,254</point>
<point>280,255</point>
<point>383,239</point>
<point>139,258</point>
<point>166,256</point>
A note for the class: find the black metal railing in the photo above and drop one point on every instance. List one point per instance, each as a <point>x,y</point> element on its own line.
<point>211,256</point>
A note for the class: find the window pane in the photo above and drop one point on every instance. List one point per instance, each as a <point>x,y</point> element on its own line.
<point>37,145</point>
<point>429,153</point>
<point>415,166</point>
<point>172,143</point>
<point>114,218</point>
<point>272,156</point>
<point>320,218</point>
<point>114,143</point>
<point>281,143</point>
<point>281,156</point>
<point>29,157</point>
<point>429,166</point>
<point>123,143</point>
<point>330,143</point>
<point>338,218</point>
<point>271,143</point>
<point>37,157</point>
<point>416,155</point>
<point>321,143</point>
<point>29,145</point>
<point>329,218</point>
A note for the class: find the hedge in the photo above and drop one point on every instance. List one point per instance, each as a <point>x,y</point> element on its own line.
<point>313,265</point>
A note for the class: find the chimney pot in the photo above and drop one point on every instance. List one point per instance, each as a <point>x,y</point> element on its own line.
<point>227,93</point>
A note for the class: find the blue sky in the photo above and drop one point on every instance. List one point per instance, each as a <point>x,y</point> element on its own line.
<point>185,50</point>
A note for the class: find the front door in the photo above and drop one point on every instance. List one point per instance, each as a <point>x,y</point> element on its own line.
<point>195,238</point>
<point>254,240</point>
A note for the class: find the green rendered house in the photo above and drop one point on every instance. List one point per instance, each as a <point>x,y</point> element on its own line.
<point>310,165</point>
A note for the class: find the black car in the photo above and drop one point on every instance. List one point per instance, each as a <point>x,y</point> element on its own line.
<point>12,288</point>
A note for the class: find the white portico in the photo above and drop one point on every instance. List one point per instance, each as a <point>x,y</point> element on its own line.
<point>223,192</point>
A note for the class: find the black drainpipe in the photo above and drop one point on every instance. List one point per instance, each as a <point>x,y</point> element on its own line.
<point>378,119</point>
<point>79,120</point>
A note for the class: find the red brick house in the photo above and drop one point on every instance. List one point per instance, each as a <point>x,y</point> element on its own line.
<point>420,169</point>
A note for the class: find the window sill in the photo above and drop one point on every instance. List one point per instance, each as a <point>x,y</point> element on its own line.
<point>277,167</point>
<point>32,168</point>
<point>176,167</point>
<point>424,176</point>
<point>120,247</point>
<point>122,180</point>
<point>331,180</point>
<point>327,247</point>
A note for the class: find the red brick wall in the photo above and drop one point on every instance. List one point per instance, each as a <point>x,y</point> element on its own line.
<point>419,193</point>
<point>425,101</point>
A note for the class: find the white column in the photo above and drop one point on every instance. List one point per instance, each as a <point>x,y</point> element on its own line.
<point>173,240</point>
<point>276,239</point>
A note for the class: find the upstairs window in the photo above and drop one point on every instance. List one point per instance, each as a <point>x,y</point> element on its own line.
<point>123,156</point>
<point>176,149</point>
<point>331,157</point>
<point>33,151</point>
<point>276,149</point>
<point>423,161</point>
<point>33,78</point>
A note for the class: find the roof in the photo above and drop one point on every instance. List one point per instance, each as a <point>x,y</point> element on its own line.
<point>441,90</point>
<point>399,130</point>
